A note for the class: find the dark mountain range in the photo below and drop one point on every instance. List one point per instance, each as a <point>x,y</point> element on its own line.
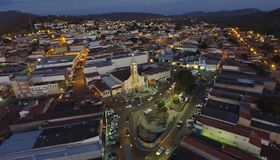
<point>11,21</point>
<point>239,12</point>
<point>124,16</point>
<point>266,22</point>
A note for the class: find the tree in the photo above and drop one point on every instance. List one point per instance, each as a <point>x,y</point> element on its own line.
<point>276,59</point>
<point>176,99</point>
<point>269,105</point>
<point>260,69</point>
<point>203,45</point>
<point>184,82</point>
<point>220,45</point>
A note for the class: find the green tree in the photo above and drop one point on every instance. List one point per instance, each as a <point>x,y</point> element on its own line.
<point>203,45</point>
<point>269,105</point>
<point>184,81</point>
<point>176,99</point>
<point>220,45</point>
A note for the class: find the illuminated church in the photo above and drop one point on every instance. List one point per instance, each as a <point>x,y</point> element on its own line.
<point>130,79</point>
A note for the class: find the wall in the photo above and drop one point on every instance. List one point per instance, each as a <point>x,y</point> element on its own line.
<point>230,139</point>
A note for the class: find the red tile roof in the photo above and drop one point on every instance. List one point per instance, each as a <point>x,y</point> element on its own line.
<point>237,129</point>
<point>187,142</point>
<point>237,153</point>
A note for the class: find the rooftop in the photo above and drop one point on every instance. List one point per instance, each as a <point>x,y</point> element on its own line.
<point>225,94</point>
<point>110,82</point>
<point>234,75</point>
<point>57,59</point>
<point>203,150</point>
<point>220,110</point>
<point>99,85</point>
<point>122,74</point>
<point>237,129</point>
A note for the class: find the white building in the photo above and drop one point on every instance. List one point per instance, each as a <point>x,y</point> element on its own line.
<point>241,137</point>
<point>125,60</point>
<point>102,67</point>
<point>58,61</point>
<point>156,74</point>
<point>45,89</point>
<point>130,79</point>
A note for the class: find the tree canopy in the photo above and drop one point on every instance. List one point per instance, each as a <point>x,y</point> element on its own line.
<point>184,81</point>
<point>269,105</point>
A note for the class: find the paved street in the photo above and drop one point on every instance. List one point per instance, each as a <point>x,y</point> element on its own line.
<point>171,139</point>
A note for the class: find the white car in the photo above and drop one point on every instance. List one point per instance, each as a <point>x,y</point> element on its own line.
<point>128,106</point>
<point>168,150</point>
<point>189,122</point>
<point>160,150</point>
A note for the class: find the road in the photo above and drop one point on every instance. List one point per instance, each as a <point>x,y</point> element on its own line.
<point>175,135</point>
<point>172,137</point>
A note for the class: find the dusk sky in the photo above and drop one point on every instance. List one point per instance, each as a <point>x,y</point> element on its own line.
<point>75,7</point>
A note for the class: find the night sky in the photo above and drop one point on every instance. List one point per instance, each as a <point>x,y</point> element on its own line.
<point>167,7</point>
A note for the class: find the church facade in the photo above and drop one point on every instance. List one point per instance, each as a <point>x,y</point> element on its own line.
<point>130,79</point>
<point>135,83</point>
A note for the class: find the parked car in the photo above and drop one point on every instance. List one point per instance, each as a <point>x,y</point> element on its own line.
<point>127,133</point>
<point>168,150</point>
<point>179,124</point>
<point>128,106</point>
<point>160,150</point>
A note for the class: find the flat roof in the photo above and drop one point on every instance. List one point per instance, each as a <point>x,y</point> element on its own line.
<point>225,94</point>
<point>220,110</point>
<point>50,71</point>
<point>122,74</point>
<point>57,59</point>
<point>67,134</point>
<point>234,75</point>
<point>99,64</point>
<point>235,82</point>
<point>99,85</point>
<point>266,116</point>
<point>236,129</point>
<point>19,142</point>
<point>110,82</point>
<point>203,150</point>
<point>151,70</point>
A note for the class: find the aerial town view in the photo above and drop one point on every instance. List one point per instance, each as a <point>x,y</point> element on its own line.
<point>139,80</point>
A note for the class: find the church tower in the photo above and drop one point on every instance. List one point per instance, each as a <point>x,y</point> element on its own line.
<point>134,72</point>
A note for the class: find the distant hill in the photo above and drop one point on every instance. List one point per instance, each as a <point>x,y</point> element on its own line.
<point>266,22</point>
<point>124,16</point>
<point>11,21</point>
<point>239,12</point>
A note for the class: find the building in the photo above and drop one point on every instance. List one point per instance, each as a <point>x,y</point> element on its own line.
<point>51,74</point>
<point>203,151</point>
<point>101,88</point>
<point>124,60</point>
<point>261,120</point>
<point>208,64</point>
<point>45,88</point>
<point>153,75</point>
<point>74,142</point>
<point>115,87</point>
<point>245,78</point>
<point>20,86</point>
<point>58,61</point>
<point>92,76</point>
<point>130,79</point>
<point>245,138</point>
<point>25,87</point>
<point>102,67</point>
